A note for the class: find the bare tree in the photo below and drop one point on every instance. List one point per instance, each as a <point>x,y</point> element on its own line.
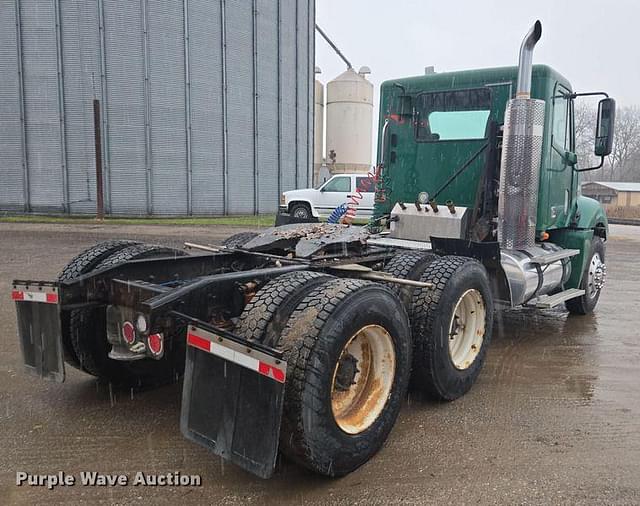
<point>623,164</point>
<point>585,124</point>
<point>624,161</point>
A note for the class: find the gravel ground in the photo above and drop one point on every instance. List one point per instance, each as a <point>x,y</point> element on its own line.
<point>554,417</point>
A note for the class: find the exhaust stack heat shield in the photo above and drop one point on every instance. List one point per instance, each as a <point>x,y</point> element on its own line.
<point>520,173</point>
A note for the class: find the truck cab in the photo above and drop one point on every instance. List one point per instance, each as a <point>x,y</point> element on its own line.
<point>437,122</point>
<point>441,139</point>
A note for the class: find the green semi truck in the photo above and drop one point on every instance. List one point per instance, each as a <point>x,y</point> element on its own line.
<point>303,339</point>
<point>445,135</point>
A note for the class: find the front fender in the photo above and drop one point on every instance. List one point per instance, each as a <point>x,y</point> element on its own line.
<point>591,215</point>
<point>589,219</point>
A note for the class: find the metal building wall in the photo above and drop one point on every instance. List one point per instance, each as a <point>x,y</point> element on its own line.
<point>80,43</point>
<point>11,144</point>
<point>206,104</point>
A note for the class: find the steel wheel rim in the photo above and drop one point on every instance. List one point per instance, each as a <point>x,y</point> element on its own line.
<point>300,213</point>
<point>357,406</point>
<point>596,276</point>
<point>466,329</point>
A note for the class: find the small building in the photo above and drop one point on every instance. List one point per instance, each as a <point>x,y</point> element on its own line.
<point>612,193</point>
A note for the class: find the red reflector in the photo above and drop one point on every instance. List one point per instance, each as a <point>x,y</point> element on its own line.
<point>271,371</point>
<point>154,342</point>
<point>52,298</point>
<point>17,295</point>
<point>198,342</point>
<point>128,332</point>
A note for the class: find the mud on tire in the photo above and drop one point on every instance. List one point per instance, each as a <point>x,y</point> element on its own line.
<point>434,371</point>
<point>88,335</point>
<point>266,315</point>
<point>84,263</point>
<point>321,328</point>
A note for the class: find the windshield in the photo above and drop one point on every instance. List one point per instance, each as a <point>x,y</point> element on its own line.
<point>453,115</point>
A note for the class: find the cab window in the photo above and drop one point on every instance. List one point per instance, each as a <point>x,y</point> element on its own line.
<point>364,184</point>
<point>453,115</point>
<point>338,184</point>
<point>560,130</point>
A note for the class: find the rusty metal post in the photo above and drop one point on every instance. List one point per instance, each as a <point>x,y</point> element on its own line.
<point>98,144</point>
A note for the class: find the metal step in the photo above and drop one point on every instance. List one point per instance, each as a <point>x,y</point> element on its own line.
<point>549,301</point>
<point>554,256</point>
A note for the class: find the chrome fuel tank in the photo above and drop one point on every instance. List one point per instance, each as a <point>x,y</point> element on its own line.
<point>532,272</point>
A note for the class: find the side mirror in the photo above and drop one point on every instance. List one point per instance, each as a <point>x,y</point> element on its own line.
<point>605,127</point>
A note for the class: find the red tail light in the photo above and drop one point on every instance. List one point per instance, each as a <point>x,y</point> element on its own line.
<point>128,332</point>
<point>156,344</point>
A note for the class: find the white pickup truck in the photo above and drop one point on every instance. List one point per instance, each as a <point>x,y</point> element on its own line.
<point>319,202</point>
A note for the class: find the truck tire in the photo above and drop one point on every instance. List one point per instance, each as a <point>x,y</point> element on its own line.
<point>238,240</point>
<point>452,325</point>
<point>300,210</point>
<point>82,264</point>
<point>408,265</point>
<point>348,352</point>
<point>593,278</point>
<point>266,315</point>
<point>89,335</point>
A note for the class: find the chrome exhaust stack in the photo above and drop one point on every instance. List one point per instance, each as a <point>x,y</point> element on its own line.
<point>525,60</point>
<point>521,156</point>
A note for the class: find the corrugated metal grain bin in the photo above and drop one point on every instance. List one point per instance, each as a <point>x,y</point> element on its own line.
<point>206,105</point>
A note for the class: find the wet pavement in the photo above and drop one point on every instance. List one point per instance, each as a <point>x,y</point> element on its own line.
<point>554,417</point>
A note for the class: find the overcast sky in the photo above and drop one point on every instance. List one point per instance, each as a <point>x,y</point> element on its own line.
<point>593,43</point>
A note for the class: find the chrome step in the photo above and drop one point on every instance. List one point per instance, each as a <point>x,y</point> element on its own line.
<point>554,256</point>
<point>549,301</point>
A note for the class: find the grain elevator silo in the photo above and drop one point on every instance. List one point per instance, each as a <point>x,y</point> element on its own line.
<point>349,121</point>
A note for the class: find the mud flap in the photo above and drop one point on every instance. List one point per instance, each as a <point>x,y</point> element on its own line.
<point>232,399</point>
<point>39,331</point>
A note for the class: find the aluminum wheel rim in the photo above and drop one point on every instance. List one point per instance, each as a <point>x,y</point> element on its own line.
<point>596,275</point>
<point>466,329</point>
<point>300,213</point>
<point>357,406</point>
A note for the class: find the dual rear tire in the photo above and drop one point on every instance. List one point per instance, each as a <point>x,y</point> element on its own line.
<point>347,346</point>
<point>451,323</point>
<point>350,353</point>
<point>84,335</point>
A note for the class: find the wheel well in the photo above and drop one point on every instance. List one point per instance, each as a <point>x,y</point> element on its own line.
<point>600,230</point>
<point>299,202</point>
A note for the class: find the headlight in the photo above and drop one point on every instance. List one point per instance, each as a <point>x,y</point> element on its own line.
<point>283,199</point>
